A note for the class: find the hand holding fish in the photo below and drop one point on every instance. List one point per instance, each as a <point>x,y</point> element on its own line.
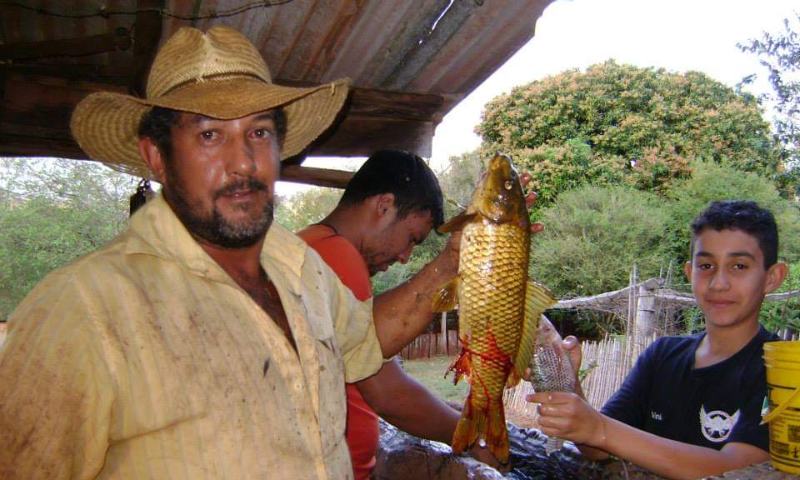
<point>567,415</point>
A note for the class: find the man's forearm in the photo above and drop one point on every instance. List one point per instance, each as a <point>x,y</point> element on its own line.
<point>405,403</point>
<point>404,312</point>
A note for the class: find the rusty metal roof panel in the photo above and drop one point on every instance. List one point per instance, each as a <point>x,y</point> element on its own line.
<point>410,60</point>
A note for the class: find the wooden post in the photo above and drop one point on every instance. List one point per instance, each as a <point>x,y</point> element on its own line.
<point>645,324</point>
<point>443,336</point>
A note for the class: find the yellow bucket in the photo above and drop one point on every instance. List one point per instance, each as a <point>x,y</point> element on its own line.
<point>782,360</point>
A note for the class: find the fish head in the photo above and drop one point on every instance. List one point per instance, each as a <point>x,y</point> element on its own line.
<point>499,196</point>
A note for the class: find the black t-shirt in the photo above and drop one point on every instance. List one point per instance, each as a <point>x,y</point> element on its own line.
<point>665,395</point>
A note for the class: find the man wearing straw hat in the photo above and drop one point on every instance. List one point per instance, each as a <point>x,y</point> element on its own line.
<point>204,342</point>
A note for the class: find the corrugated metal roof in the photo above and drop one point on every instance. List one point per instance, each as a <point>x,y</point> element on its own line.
<point>441,49</point>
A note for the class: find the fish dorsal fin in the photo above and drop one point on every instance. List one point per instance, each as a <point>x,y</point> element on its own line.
<point>538,298</point>
<point>457,223</point>
<point>446,298</point>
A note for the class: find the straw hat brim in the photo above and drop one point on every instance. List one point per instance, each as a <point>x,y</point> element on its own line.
<point>106,124</point>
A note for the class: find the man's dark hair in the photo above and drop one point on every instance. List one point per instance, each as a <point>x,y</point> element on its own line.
<point>746,216</point>
<point>402,174</point>
<point>158,122</point>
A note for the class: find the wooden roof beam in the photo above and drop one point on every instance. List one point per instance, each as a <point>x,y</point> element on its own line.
<point>119,39</point>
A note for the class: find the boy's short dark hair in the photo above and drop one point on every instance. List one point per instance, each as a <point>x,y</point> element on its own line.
<point>402,174</point>
<point>746,216</point>
<point>158,122</point>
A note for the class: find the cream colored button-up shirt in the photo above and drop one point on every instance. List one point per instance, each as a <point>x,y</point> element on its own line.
<point>145,360</point>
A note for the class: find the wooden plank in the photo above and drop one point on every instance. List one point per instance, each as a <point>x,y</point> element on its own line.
<point>316,176</point>
<point>119,39</point>
<point>147,32</point>
<point>375,119</point>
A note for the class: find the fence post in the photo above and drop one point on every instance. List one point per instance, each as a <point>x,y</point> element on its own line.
<point>443,337</point>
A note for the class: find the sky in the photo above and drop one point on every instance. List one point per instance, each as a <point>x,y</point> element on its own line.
<point>678,35</point>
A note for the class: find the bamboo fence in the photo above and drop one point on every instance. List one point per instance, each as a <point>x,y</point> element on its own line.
<point>606,362</point>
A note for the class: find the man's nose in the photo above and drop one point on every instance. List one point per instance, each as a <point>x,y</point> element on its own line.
<point>404,256</point>
<point>241,159</point>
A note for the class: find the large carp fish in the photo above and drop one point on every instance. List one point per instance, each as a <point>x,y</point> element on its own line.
<point>499,306</point>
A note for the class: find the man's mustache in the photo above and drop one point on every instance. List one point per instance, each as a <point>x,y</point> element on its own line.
<point>242,184</point>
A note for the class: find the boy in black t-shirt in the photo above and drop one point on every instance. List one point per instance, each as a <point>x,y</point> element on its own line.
<point>691,406</point>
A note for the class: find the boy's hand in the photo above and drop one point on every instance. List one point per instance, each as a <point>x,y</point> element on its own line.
<point>566,415</point>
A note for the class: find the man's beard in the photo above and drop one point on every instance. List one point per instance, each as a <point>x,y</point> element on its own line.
<point>217,230</point>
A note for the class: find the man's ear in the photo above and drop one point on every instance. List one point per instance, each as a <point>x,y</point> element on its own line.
<point>687,269</point>
<point>152,157</point>
<point>775,276</point>
<point>384,204</point>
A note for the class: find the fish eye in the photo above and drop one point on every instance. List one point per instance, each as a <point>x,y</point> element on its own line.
<point>509,185</point>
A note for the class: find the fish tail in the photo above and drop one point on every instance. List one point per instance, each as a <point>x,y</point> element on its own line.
<point>492,421</point>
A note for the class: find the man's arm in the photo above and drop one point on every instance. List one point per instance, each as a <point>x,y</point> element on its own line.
<point>404,312</point>
<point>55,391</point>
<point>408,405</point>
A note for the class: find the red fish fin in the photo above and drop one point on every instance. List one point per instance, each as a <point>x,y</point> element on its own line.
<point>446,298</point>
<point>457,223</point>
<point>537,299</point>
<point>462,366</point>
<point>473,421</point>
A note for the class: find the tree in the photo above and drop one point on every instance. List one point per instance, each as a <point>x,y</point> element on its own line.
<point>594,235</point>
<point>620,124</point>
<point>306,208</point>
<point>52,212</point>
<point>720,182</point>
<point>780,55</point>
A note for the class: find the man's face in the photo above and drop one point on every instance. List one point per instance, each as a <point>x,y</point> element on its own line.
<point>221,178</point>
<point>395,241</point>
<point>728,277</point>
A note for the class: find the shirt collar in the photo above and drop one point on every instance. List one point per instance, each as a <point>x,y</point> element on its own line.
<point>156,230</point>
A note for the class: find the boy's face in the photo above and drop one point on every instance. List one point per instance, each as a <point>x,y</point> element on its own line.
<point>728,277</point>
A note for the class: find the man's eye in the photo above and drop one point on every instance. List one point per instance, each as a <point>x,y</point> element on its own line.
<point>262,133</point>
<point>704,266</point>
<point>740,266</point>
<point>209,135</point>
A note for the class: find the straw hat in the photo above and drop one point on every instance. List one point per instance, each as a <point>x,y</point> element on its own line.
<point>218,74</point>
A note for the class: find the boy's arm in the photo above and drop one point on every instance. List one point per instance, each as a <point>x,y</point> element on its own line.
<point>568,416</point>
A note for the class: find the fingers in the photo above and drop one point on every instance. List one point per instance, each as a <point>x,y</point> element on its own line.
<point>526,375</point>
<point>530,198</point>
<point>537,227</point>
<point>525,179</point>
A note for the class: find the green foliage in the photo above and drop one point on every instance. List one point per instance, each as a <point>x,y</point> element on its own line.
<point>719,182</point>
<point>431,373</point>
<point>306,208</point>
<point>780,55</point>
<point>619,124</point>
<point>784,314</point>
<point>594,235</point>
<point>52,212</point>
